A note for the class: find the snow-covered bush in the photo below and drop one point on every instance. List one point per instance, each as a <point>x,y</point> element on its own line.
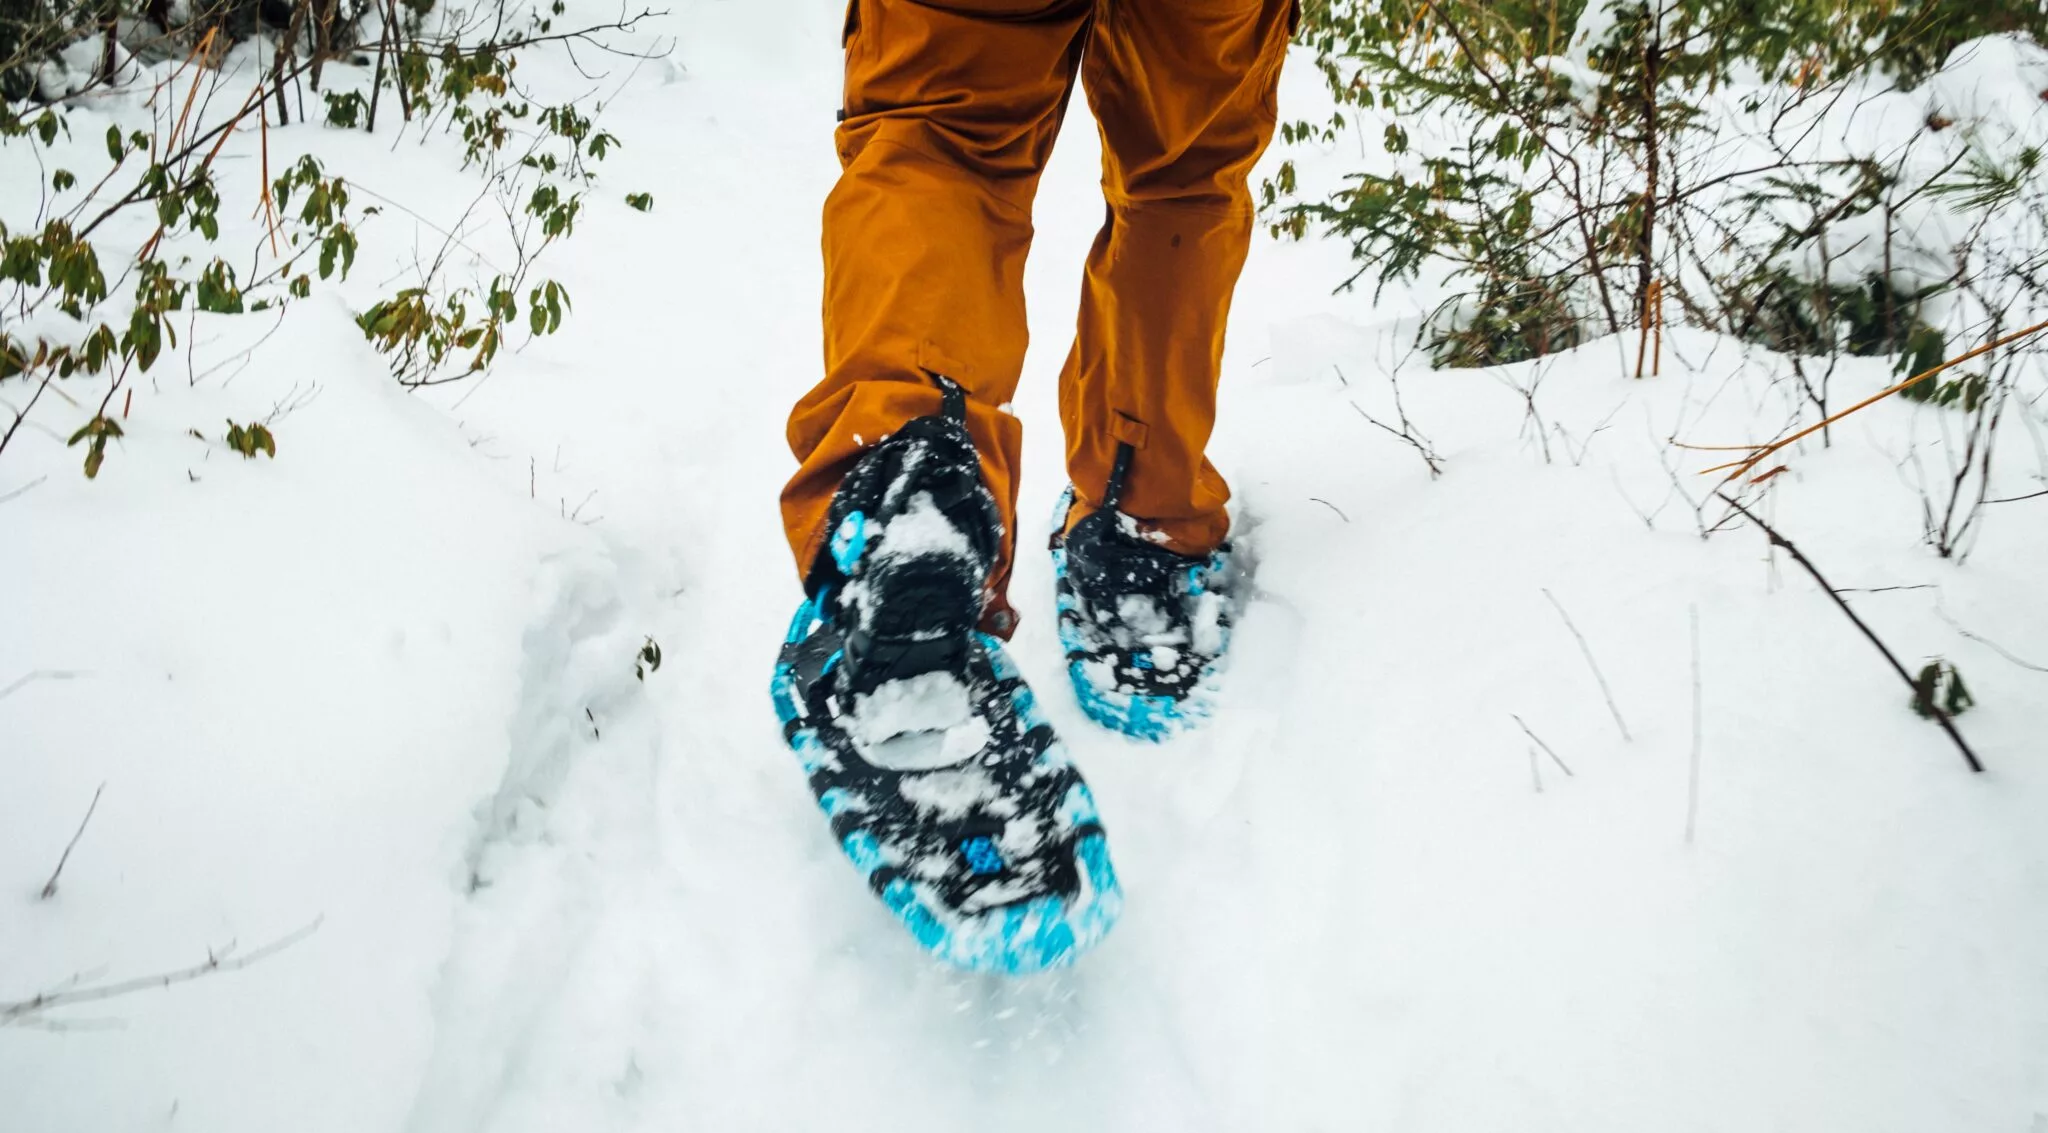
<point>1562,166</point>
<point>1826,181</point>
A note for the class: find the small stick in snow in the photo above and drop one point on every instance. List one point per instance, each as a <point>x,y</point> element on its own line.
<point>1535,771</point>
<point>1988,643</point>
<point>2016,499</point>
<point>38,675</point>
<point>1885,589</point>
<point>50,886</point>
<point>1539,743</point>
<point>1940,717</point>
<point>1407,432</point>
<point>23,1012</point>
<point>1740,468</point>
<point>23,490</point>
<point>1331,506</point>
<point>1591,663</point>
<point>1692,786</point>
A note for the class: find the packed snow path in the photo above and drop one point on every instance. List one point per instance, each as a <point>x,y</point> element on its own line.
<point>1358,899</point>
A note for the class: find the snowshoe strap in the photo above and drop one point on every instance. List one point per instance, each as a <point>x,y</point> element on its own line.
<point>952,399</point>
<point>1119,471</point>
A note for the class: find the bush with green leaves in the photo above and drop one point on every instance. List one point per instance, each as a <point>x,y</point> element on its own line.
<point>1561,165</point>
<point>1552,173</point>
<point>533,159</point>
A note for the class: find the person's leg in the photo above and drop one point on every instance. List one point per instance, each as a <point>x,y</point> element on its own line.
<point>1184,91</point>
<point>951,110</point>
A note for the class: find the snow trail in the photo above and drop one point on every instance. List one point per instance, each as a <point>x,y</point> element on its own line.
<point>1349,907</point>
<point>609,904</point>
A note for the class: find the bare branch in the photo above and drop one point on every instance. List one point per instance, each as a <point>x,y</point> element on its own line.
<point>1934,710</point>
<point>26,1010</point>
<point>1539,743</point>
<point>1592,664</point>
<point>50,886</point>
<point>1407,433</point>
<point>1987,642</point>
<point>39,675</point>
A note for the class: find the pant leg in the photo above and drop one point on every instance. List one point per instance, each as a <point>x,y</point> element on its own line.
<point>951,110</point>
<point>1185,92</point>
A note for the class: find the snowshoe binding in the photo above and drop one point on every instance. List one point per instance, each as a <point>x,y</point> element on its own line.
<point>1144,629</point>
<point>943,782</point>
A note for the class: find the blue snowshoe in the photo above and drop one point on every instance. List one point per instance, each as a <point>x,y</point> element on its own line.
<point>1145,629</point>
<point>943,782</point>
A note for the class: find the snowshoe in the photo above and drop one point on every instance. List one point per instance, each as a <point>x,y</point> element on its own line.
<point>1144,629</point>
<point>943,782</point>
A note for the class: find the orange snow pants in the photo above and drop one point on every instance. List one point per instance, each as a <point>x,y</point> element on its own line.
<point>951,108</point>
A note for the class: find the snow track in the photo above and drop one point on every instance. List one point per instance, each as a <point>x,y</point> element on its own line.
<point>554,936</point>
<point>1349,906</point>
<point>562,898</point>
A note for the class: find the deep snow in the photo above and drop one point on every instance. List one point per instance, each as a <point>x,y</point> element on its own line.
<point>384,680</point>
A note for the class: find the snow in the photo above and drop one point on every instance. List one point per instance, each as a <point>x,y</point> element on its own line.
<point>917,723</point>
<point>949,794</point>
<point>921,530</point>
<point>1993,83</point>
<point>383,682</point>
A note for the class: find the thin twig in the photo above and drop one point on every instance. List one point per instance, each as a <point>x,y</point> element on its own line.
<point>22,414</point>
<point>50,886</point>
<point>1539,743</point>
<point>1591,663</point>
<point>1535,771</point>
<point>1332,507</point>
<point>1407,432</point>
<point>23,490</point>
<point>1987,642</point>
<point>1940,717</point>
<point>39,675</point>
<point>1757,453</point>
<point>26,1009</point>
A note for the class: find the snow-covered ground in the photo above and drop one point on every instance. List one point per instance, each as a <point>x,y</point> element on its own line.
<point>384,685</point>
